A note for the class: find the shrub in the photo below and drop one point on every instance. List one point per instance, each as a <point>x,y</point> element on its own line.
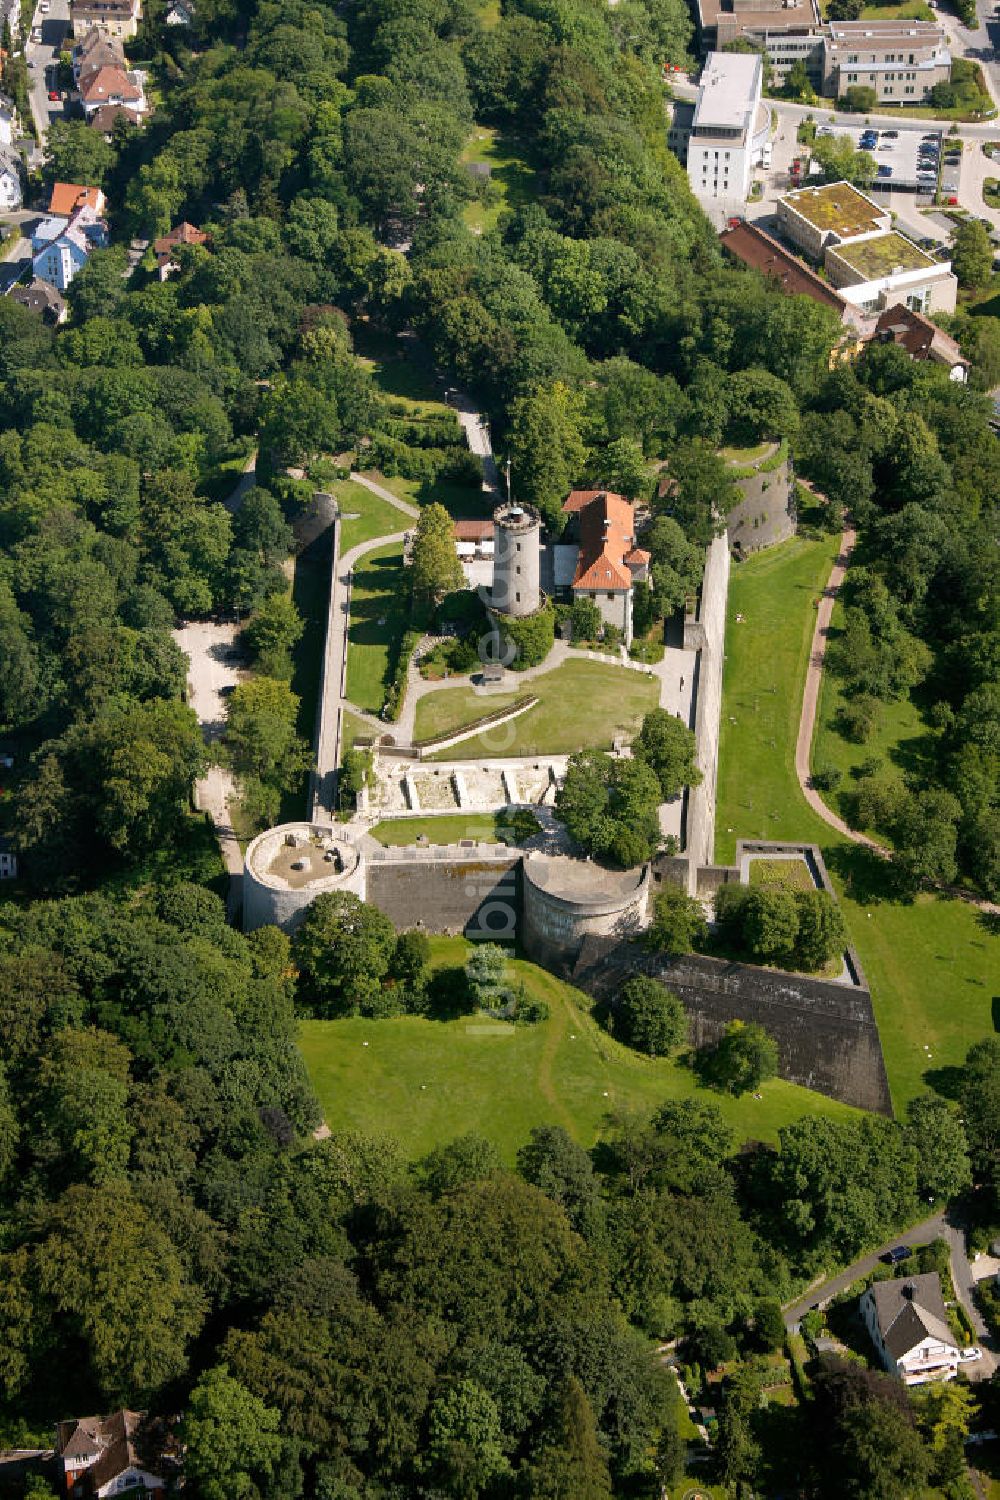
<point>744,1058</point>
<point>585,618</point>
<point>858,718</point>
<point>827,778</point>
<point>647,1016</point>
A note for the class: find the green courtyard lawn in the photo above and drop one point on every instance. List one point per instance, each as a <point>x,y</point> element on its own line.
<point>426,1081</point>
<point>901,739</point>
<point>581,704</point>
<point>465,502</point>
<point>449,828</point>
<point>932,965</point>
<point>368,516</point>
<point>766,655</point>
<point>353,727</point>
<point>512,182</point>
<point>781,875</point>
<point>379,616</point>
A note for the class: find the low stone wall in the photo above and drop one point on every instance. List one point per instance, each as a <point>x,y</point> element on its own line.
<point>826,1033</point>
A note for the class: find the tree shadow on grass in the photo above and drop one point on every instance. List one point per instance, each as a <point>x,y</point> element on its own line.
<point>945,1081</point>
<point>449,995</point>
<point>869,878</point>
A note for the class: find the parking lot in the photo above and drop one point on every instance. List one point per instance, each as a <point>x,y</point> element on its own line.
<point>906,157</point>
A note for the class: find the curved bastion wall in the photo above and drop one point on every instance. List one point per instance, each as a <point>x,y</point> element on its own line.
<point>287,867</point>
<point>566,900</point>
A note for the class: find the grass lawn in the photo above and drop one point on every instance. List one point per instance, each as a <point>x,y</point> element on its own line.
<point>932,965</point>
<point>901,739</point>
<point>781,875</point>
<point>766,654</point>
<point>747,455</point>
<point>379,615</point>
<point>426,1081</point>
<point>368,515</point>
<point>581,704</point>
<point>400,373</point>
<point>353,727</point>
<point>450,827</point>
<point>911,10</point>
<point>460,500</point>
<point>512,181</point>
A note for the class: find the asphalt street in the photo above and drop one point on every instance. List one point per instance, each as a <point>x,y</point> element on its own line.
<point>43,56</point>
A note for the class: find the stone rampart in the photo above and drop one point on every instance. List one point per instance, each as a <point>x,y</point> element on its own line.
<point>567,900</point>
<point>448,889</point>
<point>826,1033</point>
<point>765,514</point>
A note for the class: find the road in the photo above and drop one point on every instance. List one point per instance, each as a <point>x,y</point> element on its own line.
<point>42,56</point>
<point>938,1226</point>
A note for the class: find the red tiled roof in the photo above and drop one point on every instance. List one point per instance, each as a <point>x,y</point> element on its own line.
<point>103,82</point>
<point>639,556</point>
<point>106,116</point>
<point>758,250</point>
<point>607,535</point>
<point>181,234</point>
<point>918,335</point>
<point>473,531</point>
<point>67,197</point>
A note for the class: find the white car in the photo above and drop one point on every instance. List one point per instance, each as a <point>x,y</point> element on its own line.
<point>973,1352</point>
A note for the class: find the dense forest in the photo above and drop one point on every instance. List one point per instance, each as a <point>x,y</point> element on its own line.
<point>334,1321</point>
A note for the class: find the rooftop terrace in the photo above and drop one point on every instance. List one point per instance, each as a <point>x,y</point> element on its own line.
<point>838,207</point>
<point>884,254</point>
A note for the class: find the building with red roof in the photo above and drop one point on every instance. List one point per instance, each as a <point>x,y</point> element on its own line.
<point>609,564</point>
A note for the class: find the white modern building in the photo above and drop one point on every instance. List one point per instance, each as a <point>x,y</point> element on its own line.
<point>728,130</point>
<point>900,60</point>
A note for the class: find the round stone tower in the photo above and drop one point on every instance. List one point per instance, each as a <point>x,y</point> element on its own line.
<point>516,559</point>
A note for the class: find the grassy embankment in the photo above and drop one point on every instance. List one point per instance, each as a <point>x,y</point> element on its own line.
<point>426,1081</point>
<point>932,964</point>
<point>581,704</point>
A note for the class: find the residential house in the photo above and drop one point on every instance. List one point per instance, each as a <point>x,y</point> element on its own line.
<point>67,197</point>
<point>180,13</point>
<point>41,298</point>
<point>62,247</point>
<point>8,861</point>
<point>8,121</point>
<point>921,339</point>
<point>102,86</point>
<point>900,60</point>
<point>608,562</point>
<point>872,265</point>
<point>165,248</point>
<point>908,1324</point>
<point>118,18</point>
<point>107,117</point>
<point>103,1456</point>
<point>11,195</point>
<point>96,50</point>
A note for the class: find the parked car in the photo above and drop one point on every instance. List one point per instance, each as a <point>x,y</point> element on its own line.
<point>932,135</point>
<point>884,172</point>
<point>890,135</point>
<point>54,96</point>
<point>897,1254</point>
<point>6,761</point>
<point>973,1352</point>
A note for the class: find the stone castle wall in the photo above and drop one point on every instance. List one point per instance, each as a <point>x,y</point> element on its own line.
<point>765,515</point>
<point>826,1032</point>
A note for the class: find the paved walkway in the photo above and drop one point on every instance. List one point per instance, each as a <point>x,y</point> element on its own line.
<point>384,494</point>
<point>810,697</point>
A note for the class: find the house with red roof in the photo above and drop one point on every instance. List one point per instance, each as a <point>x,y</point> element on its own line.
<point>165,248</point>
<point>609,564</point>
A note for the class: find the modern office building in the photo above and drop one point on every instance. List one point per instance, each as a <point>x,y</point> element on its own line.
<point>723,138</point>
<point>869,263</point>
<point>900,60</point>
